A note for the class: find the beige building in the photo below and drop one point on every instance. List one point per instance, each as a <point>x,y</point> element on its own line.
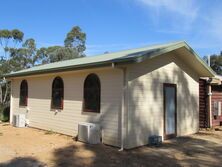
<point>132,94</point>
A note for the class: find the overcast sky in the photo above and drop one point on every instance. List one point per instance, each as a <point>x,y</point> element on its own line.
<point>113,25</point>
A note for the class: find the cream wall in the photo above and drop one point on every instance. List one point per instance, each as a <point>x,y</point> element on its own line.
<point>145,98</point>
<point>143,115</point>
<point>66,121</point>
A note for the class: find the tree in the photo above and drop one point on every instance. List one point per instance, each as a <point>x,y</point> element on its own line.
<point>76,39</point>
<point>6,37</point>
<point>8,41</point>
<point>17,57</point>
<point>56,53</point>
<point>215,62</point>
<point>24,57</point>
<point>17,36</point>
<point>74,48</point>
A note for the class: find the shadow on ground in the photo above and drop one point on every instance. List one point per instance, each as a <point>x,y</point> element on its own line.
<point>23,162</point>
<point>182,151</point>
<point>101,156</point>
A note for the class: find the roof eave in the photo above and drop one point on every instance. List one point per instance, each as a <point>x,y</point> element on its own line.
<point>211,73</point>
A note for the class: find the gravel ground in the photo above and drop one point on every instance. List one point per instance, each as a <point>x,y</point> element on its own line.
<point>28,147</point>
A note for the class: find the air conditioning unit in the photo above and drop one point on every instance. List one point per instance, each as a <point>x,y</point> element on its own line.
<point>19,120</point>
<point>89,133</point>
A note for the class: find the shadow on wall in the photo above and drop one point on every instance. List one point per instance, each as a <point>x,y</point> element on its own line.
<point>146,87</point>
<point>148,90</point>
<point>109,118</point>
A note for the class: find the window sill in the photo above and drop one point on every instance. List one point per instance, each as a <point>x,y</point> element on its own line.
<point>23,106</point>
<point>90,112</point>
<point>56,109</point>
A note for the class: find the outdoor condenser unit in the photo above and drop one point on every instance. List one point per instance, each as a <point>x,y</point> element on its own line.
<point>155,140</point>
<point>89,133</point>
<point>19,120</point>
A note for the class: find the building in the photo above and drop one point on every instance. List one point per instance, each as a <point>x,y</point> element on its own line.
<point>132,94</point>
<point>210,102</point>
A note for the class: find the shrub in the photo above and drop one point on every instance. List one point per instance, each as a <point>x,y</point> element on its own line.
<point>4,113</point>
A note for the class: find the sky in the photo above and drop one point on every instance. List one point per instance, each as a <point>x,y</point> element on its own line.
<point>112,25</point>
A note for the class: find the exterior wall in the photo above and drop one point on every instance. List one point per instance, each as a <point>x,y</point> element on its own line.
<point>66,121</point>
<point>203,104</point>
<point>145,99</point>
<point>216,96</point>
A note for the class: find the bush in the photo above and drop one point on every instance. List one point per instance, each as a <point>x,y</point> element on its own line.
<point>4,113</point>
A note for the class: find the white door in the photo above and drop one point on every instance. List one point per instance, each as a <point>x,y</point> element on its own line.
<point>170,110</point>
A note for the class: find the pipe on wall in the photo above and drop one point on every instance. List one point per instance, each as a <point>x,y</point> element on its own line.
<point>123,107</point>
<point>209,93</point>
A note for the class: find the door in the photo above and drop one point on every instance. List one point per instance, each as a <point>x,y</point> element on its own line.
<point>170,115</point>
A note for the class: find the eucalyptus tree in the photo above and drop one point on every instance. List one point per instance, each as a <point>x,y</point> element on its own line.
<point>74,46</point>
<point>17,55</point>
<point>56,53</point>
<point>9,38</point>
<point>76,39</point>
<point>24,57</point>
<point>215,62</point>
<point>17,36</point>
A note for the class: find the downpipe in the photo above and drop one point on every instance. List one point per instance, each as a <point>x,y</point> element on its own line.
<point>123,69</point>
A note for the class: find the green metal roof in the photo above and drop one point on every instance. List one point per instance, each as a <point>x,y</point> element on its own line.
<point>126,56</point>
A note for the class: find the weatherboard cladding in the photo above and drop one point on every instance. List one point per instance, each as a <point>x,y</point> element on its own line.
<point>127,56</point>
<point>216,97</point>
<point>137,76</point>
<point>203,118</point>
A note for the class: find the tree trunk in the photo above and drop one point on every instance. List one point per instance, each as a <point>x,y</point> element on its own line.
<point>6,92</point>
<point>1,95</point>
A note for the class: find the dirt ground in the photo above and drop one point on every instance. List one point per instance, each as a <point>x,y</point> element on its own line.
<point>28,147</point>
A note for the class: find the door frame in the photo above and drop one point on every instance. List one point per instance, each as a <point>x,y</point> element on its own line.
<point>165,85</point>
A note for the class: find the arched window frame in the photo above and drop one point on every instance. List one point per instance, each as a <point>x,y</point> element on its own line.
<point>23,98</point>
<point>89,92</point>
<point>57,90</point>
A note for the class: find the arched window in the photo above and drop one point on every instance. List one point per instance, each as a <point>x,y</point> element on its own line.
<point>57,93</point>
<point>92,91</point>
<point>23,100</point>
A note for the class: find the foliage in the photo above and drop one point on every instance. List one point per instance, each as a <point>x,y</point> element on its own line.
<point>27,55</point>
<point>215,62</point>
<point>17,35</point>
<point>74,47</point>
<point>56,53</point>
<point>24,57</point>
<point>6,37</point>
<point>4,113</point>
<point>76,39</point>
<point>19,54</point>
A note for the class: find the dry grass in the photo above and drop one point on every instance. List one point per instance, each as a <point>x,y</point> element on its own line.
<point>27,147</point>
